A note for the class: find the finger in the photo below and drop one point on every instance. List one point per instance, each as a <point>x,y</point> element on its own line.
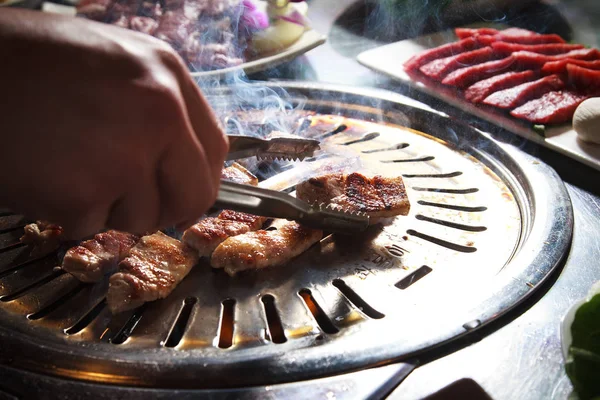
<point>206,126</point>
<point>185,186</point>
<point>138,211</point>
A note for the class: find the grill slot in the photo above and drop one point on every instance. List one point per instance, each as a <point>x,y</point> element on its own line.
<point>450,224</point>
<point>21,291</point>
<point>398,146</point>
<point>413,277</point>
<point>441,242</point>
<point>47,309</point>
<point>226,326</point>
<point>127,329</point>
<point>357,300</point>
<point>449,191</point>
<point>410,160</point>
<point>319,315</point>
<point>178,329</point>
<point>452,206</point>
<point>335,131</point>
<point>276,333</point>
<point>447,175</point>
<point>365,138</point>
<point>87,318</point>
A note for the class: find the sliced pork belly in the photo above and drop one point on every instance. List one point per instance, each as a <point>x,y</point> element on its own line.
<point>446,50</point>
<point>153,268</point>
<point>208,233</point>
<point>262,249</point>
<point>482,89</point>
<point>548,49</point>
<point>552,108</point>
<point>520,94</point>
<point>93,259</point>
<point>583,78</point>
<point>238,174</point>
<point>560,67</point>
<point>437,69</point>
<point>378,197</point>
<point>44,236</point>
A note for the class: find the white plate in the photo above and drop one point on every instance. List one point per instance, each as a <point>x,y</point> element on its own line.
<point>567,321</point>
<point>389,60</point>
<point>308,41</point>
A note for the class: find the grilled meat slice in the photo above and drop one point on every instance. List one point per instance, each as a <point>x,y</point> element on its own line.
<point>262,249</point>
<point>43,236</point>
<point>93,259</point>
<point>238,174</point>
<point>378,197</point>
<point>154,267</point>
<point>207,234</point>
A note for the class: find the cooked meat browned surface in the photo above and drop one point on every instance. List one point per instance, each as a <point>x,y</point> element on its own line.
<point>154,267</point>
<point>238,174</point>
<point>262,249</point>
<point>43,236</point>
<point>208,233</point>
<point>93,259</point>
<point>378,197</point>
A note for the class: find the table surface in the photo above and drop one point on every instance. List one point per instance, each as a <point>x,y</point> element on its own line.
<point>520,355</point>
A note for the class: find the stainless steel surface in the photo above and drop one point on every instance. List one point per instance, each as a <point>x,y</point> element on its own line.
<point>487,227</point>
<point>271,148</point>
<point>274,204</point>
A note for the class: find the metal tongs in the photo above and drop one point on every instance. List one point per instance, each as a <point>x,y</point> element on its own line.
<point>274,204</point>
<point>284,147</point>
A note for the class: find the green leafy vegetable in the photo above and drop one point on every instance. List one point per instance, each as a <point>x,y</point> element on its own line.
<point>583,365</point>
<point>540,130</point>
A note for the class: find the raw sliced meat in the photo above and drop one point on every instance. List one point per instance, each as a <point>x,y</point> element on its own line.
<point>482,89</point>
<point>464,33</point>
<point>551,108</point>
<point>583,77</point>
<point>437,69</point>
<point>514,97</point>
<point>446,50</point>
<point>467,76</point>
<point>550,49</point>
<point>516,35</point>
<point>560,67</point>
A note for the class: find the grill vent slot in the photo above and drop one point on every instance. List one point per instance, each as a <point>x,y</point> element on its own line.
<point>338,129</point>
<point>409,160</point>
<point>87,318</point>
<point>399,146</point>
<point>127,329</point>
<point>178,329</point>
<point>452,206</point>
<point>443,243</point>
<point>365,138</point>
<point>226,326</point>
<point>450,224</point>
<point>449,191</point>
<point>273,322</point>
<point>56,303</point>
<point>448,175</point>
<point>413,277</point>
<point>322,319</point>
<point>20,292</point>
<point>358,301</point>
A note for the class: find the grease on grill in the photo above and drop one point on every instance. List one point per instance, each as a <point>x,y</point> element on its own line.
<point>275,329</point>
<point>40,282</point>
<point>47,309</point>
<point>413,277</point>
<point>226,325</point>
<point>356,300</point>
<point>315,309</point>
